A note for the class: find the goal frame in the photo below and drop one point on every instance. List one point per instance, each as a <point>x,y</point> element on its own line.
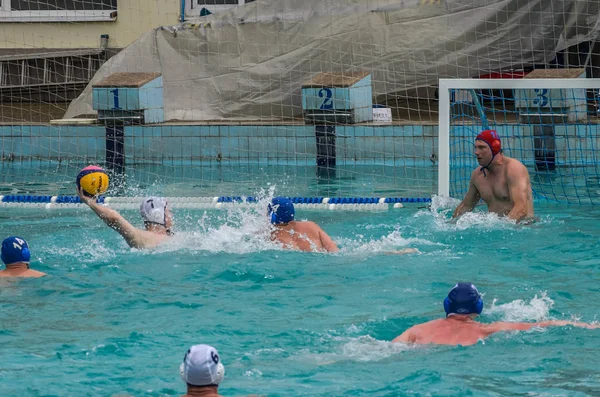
<point>444,87</point>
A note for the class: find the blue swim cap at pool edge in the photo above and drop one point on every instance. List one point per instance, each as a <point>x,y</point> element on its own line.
<point>463,299</point>
<point>15,249</point>
<point>281,210</point>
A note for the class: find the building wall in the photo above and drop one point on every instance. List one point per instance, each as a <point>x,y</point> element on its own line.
<point>135,17</point>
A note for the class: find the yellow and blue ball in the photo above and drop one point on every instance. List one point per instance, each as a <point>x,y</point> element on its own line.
<point>93,180</point>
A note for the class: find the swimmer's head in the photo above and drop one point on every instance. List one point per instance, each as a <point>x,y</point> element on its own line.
<point>487,138</point>
<point>491,138</point>
<point>154,210</point>
<point>463,299</point>
<point>202,366</point>
<point>15,250</point>
<point>281,210</point>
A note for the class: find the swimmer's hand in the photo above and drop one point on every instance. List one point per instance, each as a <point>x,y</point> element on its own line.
<point>85,199</point>
<point>452,221</point>
<point>573,323</point>
<point>404,251</point>
<point>530,220</point>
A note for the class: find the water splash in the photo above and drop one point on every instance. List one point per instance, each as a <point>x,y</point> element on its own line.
<point>239,230</point>
<point>536,309</point>
<point>367,348</point>
<point>360,349</point>
<point>390,243</point>
<point>85,251</point>
<point>443,205</point>
<point>246,229</point>
<point>482,220</point>
<point>442,208</point>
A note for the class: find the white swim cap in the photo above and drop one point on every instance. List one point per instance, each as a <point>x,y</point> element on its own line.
<point>153,210</point>
<point>202,366</point>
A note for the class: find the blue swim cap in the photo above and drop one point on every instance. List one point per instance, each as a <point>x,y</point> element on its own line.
<point>15,249</point>
<point>463,299</point>
<point>281,210</point>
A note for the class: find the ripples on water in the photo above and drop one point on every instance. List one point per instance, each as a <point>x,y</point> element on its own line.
<point>112,321</point>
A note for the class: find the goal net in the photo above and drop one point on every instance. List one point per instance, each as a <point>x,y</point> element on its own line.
<point>549,124</point>
<point>234,90</point>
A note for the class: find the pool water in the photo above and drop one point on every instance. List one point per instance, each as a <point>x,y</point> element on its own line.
<point>112,321</point>
<point>375,180</point>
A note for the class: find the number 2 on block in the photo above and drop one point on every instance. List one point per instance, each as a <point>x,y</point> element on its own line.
<point>327,102</point>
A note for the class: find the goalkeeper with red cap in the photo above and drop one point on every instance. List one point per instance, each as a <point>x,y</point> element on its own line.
<point>502,182</point>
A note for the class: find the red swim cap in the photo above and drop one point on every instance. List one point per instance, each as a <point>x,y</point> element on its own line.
<point>491,138</point>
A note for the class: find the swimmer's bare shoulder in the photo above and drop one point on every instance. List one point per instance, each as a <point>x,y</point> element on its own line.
<point>305,226</point>
<point>146,239</point>
<point>30,273</point>
<point>35,274</point>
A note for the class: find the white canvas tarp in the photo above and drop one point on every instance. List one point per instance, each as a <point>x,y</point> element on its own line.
<point>249,63</point>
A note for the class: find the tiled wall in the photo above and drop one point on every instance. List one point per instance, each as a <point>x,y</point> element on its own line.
<point>277,144</point>
<point>51,143</point>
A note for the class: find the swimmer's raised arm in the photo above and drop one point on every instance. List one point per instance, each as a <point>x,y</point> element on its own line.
<point>112,218</point>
